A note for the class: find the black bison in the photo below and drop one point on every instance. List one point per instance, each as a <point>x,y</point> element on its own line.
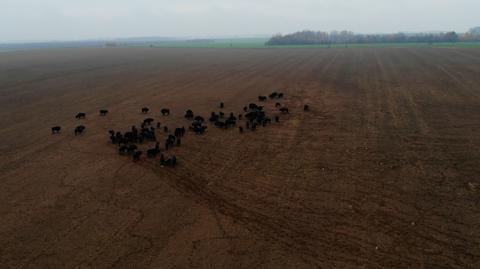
<point>189,114</point>
<point>278,105</point>
<point>266,120</point>
<point>306,108</point>
<point>251,116</point>
<point>132,148</point>
<point>145,110</point>
<point>148,134</point>
<point>113,139</point>
<point>245,108</point>
<point>262,98</point>
<point>220,124</point>
<point>280,95</point>
<point>158,124</point>
<point>252,106</point>
<point>79,129</point>
<point>148,121</point>
<point>81,115</point>
<point>277,119</point>
<point>273,95</point>
<point>103,112</point>
<point>179,132</point>
<point>170,162</point>
<point>284,110</point>
<point>172,137</point>
<point>136,155</point>
<point>222,105</point>
<point>213,117</point>
<point>165,111</point>
<point>122,150</point>
<point>198,129</point>
<point>169,143</point>
<point>154,151</point>
<point>56,129</point>
<point>230,122</point>
<point>199,119</point>
<point>165,129</point>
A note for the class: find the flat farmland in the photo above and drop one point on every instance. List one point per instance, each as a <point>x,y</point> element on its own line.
<point>382,172</point>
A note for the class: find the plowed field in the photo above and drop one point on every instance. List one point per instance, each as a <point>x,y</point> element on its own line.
<point>383,172</point>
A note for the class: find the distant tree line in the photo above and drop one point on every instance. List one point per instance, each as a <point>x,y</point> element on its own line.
<point>348,37</point>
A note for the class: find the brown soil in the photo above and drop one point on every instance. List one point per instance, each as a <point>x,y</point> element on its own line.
<point>384,172</point>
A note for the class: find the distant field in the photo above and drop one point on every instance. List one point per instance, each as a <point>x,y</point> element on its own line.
<point>237,43</point>
<point>215,43</point>
<point>260,43</point>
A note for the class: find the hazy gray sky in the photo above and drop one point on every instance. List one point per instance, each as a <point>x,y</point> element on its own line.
<point>84,19</point>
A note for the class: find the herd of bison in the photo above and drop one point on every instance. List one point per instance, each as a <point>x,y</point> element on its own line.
<point>128,142</point>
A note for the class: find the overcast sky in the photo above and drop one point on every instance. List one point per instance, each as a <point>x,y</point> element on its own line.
<point>40,20</point>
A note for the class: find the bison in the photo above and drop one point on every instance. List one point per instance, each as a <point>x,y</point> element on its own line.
<point>132,148</point>
<point>220,124</point>
<point>189,114</point>
<point>179,132</point>
<point>154,151</point>
<point>148,121</point>
<point>199,119</point>
<point>122,150</point>
<point>79,129</point>
<point>81,115</point>
<point>103,112</point>
<point>56,129</point>
<point>214,117</point>
<point>165,111</point>
<point>169,143</point>
<point>198,129</point>
<point>170,162</point>
<point>145,110</point>
<point>262,98</point>
<point>136,155</point>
